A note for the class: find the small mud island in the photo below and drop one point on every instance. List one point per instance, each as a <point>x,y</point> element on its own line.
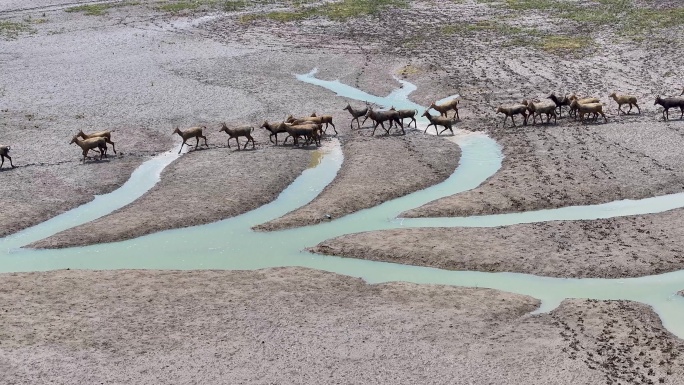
<point>142,69</point>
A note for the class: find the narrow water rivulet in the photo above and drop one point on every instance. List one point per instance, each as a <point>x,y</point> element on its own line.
<point>230,244</point>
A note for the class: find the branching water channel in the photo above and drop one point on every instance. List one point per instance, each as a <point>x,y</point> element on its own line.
<point>230,244</point>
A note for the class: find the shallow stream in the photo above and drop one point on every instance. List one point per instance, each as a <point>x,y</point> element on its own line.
<point>230,244</point>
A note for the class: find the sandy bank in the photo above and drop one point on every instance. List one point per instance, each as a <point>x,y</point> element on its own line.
<point>200,187</point>
<point>558,166</point>
<point>305,326</point>
<point>606,248</point>
<point>376,169</point>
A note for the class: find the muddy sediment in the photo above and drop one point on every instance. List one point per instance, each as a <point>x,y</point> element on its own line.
<point>160,70</point>
<point>376,169</point>
<point>551,167</point>
<point>255,326</point>
<point>201,187</point>
<point>50,176</point>
<point>621,247</point>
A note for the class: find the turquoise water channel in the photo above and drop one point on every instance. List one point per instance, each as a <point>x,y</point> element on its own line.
<point>230,244</point>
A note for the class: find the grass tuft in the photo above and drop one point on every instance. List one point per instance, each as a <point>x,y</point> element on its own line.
<point>177,6</point>
<point>180,6</point>
<point>629,18</point>
<point>510,35</point>
<point>97,9</point>
<point>233,5</point>
<point>338,11</point>
<point>12,30</point>
<point>564,43</point>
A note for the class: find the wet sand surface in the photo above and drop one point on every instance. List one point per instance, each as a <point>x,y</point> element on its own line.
<point>313,327</point>
<point>573,165</point>
<point>417,161</point>
<point>622,247</point>
<point>141,72</point>
<point>194,191</point>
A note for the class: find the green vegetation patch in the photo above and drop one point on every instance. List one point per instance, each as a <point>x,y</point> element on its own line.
<point>97,9</point>
<point>232,6</point>
<point>174,6</point>
<point>339,11</point>
<point>557,43</point>
<point>628,18</point>
<point>509,34</point>
<point>11,29</point>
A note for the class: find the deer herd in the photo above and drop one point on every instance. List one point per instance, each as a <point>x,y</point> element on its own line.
<point>310,129</point>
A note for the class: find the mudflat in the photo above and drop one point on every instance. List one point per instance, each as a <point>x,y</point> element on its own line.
<point>143,68</point>
<point>369,176</point>
<point>313,327</point>
<point>622,247</point>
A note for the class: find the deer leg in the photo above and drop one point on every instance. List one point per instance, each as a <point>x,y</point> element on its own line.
<point>112,143</point>
<point>374,127</point>
<point>401,125</point>
<point>639,109</point>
